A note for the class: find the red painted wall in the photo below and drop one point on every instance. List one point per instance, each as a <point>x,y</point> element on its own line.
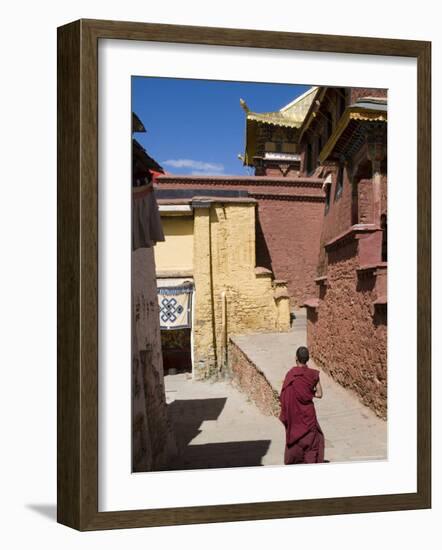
<point>347,325</point>
<point>347,333</point>
<point>291,231</point>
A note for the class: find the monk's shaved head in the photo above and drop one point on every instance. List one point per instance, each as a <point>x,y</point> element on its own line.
<point>302,355</point>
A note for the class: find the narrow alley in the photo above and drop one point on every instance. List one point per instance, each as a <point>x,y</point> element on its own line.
<point>218,425</point>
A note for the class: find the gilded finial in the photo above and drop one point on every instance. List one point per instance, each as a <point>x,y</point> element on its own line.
<point>244,105</point>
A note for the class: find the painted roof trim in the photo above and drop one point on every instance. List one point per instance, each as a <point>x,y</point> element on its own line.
<point>353,112</point>
<point>287,116</point>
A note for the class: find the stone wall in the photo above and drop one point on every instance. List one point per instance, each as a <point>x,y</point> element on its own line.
<point>347,319</point>
<point>231,295</point>
<point>250,380</point>
<point>347,313</point>
<point>347,331</point>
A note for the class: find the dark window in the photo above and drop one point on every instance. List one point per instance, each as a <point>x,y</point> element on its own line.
<point>339,182</point>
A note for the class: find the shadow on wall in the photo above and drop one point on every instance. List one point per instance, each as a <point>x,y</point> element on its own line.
<point>186,417</point>
<point>263,258</point>
<point>343,253</point>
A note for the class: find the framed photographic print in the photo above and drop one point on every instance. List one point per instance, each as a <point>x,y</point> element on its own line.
<point>237,210</point>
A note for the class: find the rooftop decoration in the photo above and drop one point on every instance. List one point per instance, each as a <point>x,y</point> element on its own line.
<point>290,116</point>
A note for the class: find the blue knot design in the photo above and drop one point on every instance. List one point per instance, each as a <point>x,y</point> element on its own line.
<point>170,309</point>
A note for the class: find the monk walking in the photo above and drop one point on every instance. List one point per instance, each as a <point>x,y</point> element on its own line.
<point>304,437</point>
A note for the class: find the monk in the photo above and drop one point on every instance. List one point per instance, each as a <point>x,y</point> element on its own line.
<point>304,437</point>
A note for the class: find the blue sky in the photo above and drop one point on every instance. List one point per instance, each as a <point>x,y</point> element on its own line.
<point>198,126</point>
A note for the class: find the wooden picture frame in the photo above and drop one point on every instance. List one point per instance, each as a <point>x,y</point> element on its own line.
<point>78,274</point>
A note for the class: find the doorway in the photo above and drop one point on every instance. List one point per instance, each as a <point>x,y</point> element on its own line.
<point>175,297</point>
<point>176,348</point>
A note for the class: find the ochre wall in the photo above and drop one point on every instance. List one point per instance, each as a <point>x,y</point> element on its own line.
<point>175,254</point>
<point>224,262</point>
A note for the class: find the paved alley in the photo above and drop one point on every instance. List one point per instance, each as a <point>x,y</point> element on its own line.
<point>216,425</point>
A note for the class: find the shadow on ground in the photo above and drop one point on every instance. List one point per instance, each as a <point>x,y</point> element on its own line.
<point>187,416</point>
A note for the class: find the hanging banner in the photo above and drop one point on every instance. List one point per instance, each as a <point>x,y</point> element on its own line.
<point>175,304</point>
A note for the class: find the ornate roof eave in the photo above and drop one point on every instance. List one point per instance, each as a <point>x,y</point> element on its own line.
<point>311,114</point>
<point>284,118</point>
<point>356,113</point>
<point>252,124</point>
<point>274,119</point>
<point>250,142</point>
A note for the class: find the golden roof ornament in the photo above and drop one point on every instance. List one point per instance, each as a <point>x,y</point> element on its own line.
<point>244,105</point>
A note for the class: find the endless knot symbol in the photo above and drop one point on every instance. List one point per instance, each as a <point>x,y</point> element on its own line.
<point>170,309</point>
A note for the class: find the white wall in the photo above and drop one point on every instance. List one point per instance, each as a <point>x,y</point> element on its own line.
<point>28,277</point>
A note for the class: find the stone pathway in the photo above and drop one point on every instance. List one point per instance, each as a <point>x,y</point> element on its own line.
<point>218,426</point>
<point>352,431</point>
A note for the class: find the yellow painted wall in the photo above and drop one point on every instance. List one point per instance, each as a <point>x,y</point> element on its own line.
<point>224,269</point>
<point>217,245</point>
<point>175,254</point>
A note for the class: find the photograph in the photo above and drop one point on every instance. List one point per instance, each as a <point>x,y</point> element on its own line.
<point>259,274</point>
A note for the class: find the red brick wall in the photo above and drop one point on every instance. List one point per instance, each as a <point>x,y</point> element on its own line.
<point>347,334</point>
<point>338,218</point>
<point>347,331</point>
<point>276,172</point>
<point>288,224</point>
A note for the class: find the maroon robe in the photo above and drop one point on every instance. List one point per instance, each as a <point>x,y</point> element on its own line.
<point>304,437</point>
